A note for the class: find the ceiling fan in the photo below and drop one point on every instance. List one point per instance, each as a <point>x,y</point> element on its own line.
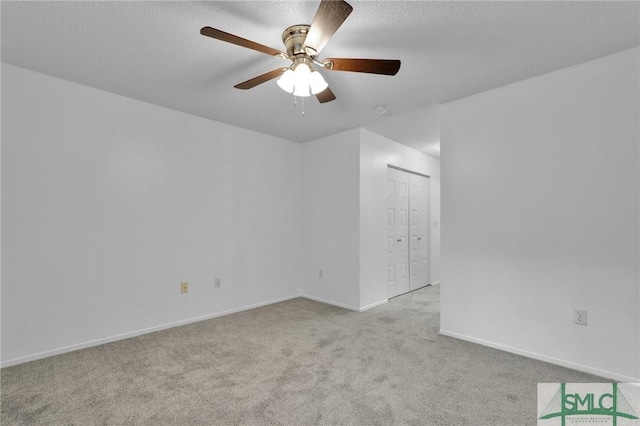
<point>303,44</point>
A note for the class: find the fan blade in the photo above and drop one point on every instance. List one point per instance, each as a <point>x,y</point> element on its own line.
<point>330,15</point>
<point>372,66</point>
<point>325,96</point>
<point>260,79</point>
<point>233,39</point>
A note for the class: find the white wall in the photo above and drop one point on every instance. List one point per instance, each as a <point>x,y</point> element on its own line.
<point>376,153</point>
<point>540,215</point>
<point>330,219</point>
<point>109,203</point>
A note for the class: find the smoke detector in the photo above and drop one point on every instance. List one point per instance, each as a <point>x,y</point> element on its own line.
<point>381,109</point>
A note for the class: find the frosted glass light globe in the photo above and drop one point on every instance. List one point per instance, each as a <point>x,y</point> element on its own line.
<point>287,81</point>
<point>317,83</point>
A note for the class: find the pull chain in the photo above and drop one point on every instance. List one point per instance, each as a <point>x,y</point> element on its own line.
<point>295,103</point>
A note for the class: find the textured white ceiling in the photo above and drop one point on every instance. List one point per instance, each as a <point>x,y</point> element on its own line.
<point>153,51</point>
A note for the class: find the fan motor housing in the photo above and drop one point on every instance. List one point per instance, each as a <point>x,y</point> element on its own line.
<point>293,39</point>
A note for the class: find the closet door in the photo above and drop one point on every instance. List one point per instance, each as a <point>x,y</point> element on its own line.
<point>419,220</point>
<point>398,232</point>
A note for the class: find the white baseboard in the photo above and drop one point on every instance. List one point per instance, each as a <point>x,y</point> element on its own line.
<point>342,305</point>
<point>134,333</point>
<point>435,283</point>
<point>330,302</point>
<point>540,357</point>
<point>373,305</point>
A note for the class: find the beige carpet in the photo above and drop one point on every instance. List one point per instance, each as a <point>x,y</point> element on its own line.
<point>293,363</point>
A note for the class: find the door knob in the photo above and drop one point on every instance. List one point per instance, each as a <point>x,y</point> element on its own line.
<point>399,240</point>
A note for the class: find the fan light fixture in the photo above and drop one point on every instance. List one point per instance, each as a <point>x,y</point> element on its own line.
<point>302,81</point>
<point>303,45</point>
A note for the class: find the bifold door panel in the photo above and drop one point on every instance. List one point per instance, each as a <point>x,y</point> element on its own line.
<point>419,253</point>
<point>398,232</point>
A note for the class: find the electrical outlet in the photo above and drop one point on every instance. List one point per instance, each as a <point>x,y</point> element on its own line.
<point>184,287</point>
<point>320,273</point>
<point>580,317</point>
<point>218,282</point>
